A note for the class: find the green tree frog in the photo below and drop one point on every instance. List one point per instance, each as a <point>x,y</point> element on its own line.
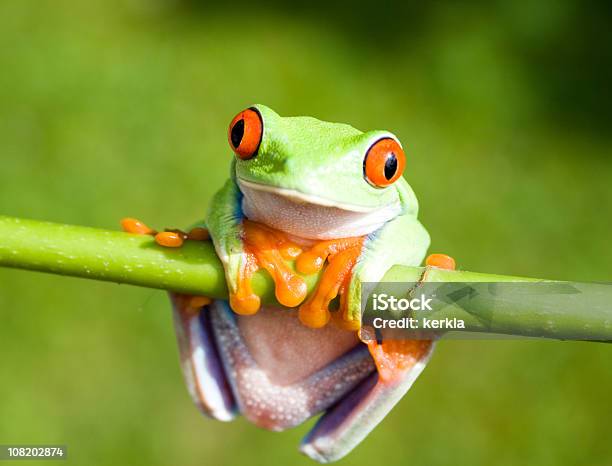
<point>333,199</point>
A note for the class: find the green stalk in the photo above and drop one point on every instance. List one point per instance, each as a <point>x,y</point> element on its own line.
<point>119,257</point>
<point>195,269</point>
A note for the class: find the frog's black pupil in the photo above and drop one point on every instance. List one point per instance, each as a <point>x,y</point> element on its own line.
<point>390,166</point>
<point>237,133</point>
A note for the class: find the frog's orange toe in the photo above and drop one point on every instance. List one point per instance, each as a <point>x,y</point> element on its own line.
<point>169,239</point>
<point>244,304</point>
<point>291,291</point>
<point>442,261</point>
<point>313,317</point>
<point>309,263</point>
<point>290,251</point>
<point>132,225</point>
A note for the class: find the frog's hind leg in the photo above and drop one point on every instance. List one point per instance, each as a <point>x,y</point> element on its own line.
<point>399,363</point>
<point>199,357</point>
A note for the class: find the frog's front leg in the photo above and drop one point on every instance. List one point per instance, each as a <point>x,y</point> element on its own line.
<point>244,247</point>
<point>351,261</point>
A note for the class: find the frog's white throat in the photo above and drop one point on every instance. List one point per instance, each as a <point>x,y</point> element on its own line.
<point>309,216</point>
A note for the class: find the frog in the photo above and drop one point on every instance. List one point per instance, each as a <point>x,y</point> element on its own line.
<point>333,201</point>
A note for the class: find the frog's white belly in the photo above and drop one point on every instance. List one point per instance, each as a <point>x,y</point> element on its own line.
<point>309,217</point>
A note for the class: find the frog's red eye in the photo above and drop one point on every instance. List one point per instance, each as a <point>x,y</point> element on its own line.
<point>245,133</point>
<point>384,163</point>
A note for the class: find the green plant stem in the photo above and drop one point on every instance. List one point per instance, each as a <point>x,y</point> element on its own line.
<point>195,269</point>
<point>118,257</point>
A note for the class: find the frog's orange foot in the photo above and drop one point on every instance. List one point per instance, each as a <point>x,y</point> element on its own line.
<point>168,238</point>
<point>267,249</point>
<point>341,255</point>
<point>132,225</point>
<point>441,261</point>
<point>394,357</point>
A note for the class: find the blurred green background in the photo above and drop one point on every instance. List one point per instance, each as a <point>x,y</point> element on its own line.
<point>116,108</point>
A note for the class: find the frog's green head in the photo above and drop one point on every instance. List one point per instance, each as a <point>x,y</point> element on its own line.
<point>317,179</point>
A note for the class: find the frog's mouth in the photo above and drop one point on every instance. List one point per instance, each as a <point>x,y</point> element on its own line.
<point>310,216</point>
<point>279,373</point>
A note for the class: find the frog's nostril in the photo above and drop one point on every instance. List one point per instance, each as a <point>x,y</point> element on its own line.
<point>286,166</point>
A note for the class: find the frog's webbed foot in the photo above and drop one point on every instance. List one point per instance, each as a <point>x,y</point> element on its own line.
<point>268,249</point>
<point>341,255</point>
<point>170,238</point>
